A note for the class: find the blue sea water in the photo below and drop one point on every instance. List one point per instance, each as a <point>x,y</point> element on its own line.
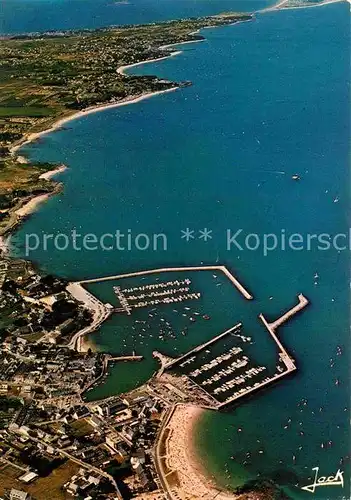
<point>24,16</point>
<point>268,96</point>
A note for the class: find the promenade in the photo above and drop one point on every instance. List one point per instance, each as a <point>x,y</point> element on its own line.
<point>100,313</point>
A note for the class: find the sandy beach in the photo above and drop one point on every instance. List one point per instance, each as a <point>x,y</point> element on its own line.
<point>32,205</point>
<point>94,109</point>
<point>80,114</point>
<point>51,173</point>
<point>184,473</point>
<point>122,69</point>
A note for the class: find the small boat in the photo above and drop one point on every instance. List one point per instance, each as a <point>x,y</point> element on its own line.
<point>296,177</point>
<point>206,316</point>
<point>336,199</point>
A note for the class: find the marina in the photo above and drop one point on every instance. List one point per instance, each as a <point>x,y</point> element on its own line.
<point>219,381</point>
<point>266,120</point>
<point>219,371</point>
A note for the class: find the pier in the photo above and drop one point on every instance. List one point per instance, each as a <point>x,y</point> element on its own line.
<point>255,387</point>
<point>201,347</point>
<point>122,300</point>
<point>237,384</point>
<point>132,357</point>
<point>271,327</point>
<point>303,302</point>
<point>284,356</point>
<point>164,361</point>
<point>222,269</point>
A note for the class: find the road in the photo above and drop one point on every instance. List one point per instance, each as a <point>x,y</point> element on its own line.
<point>157,453</point>
<point>100,312</point>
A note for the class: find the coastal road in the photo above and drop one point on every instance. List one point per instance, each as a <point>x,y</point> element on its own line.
<point>100,312</point>
<point>157,453</point>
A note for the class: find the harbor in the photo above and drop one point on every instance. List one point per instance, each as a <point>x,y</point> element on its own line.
<point>213,374</point>
<point>223,379</point>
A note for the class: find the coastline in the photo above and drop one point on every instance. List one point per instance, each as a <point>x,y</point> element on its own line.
<point>31,206</point>
<point>192,456</point>
<point>22,210</point>
<point>51,173</point>
<point>191,415</point>
<point>181,462</point>
<point>281,5</point>
<point>121,69</point>
<point>79,114</point>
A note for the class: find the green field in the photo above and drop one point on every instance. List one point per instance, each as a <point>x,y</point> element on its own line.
<point>30,111</point>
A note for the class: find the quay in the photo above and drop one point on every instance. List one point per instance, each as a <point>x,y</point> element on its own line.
<point>222,269</point>
<point>201,347</point>
<point>108,358</point>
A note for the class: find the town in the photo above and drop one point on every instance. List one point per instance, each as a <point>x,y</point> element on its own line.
<point>120,446</point>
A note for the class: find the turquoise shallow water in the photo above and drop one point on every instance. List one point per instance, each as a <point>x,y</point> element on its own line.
<point>269,96</point>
